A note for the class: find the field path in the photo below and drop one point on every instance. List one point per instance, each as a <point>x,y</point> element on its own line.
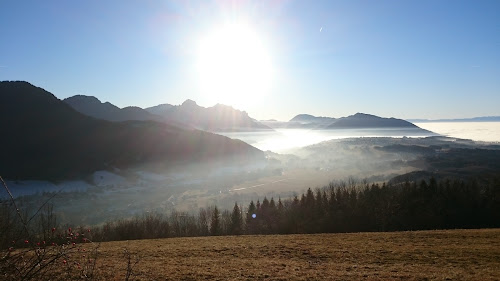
<point>257,185</point>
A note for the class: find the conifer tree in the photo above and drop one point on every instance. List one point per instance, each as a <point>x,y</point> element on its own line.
<point>236,221</point>
<point>250,218</point>
<point>280,205</point>
<point>215,222</point>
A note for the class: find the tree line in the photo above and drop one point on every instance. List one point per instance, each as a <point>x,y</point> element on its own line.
<point>342,207</point>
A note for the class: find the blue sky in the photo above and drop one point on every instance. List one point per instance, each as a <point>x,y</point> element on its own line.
<point>405,59</point>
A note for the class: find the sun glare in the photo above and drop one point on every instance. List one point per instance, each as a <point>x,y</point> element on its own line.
<point>234,65</point>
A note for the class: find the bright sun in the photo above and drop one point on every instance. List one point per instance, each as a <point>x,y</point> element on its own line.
<point>234,66</point>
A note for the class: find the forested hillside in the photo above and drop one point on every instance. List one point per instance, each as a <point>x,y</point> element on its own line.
<point>426,205</point>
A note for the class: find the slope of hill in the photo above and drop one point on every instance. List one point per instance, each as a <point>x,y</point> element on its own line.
<point>218,118</point>
<point>44,138</point>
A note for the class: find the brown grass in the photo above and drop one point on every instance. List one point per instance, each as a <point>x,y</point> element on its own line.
<point>420,255</point>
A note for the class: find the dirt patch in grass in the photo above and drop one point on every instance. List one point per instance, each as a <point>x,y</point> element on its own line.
<point>420,255</point>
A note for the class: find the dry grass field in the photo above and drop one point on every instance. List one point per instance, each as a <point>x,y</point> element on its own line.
<point>420,255</point>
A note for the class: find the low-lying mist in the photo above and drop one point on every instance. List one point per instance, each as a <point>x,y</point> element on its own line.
<point>113,194</point>
<point>286,140</point>
<point>478,131</point>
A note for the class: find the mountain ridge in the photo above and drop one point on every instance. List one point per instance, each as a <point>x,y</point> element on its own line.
<point>355,121</point>
<point>92,106</point>
<point>45,138</point>
<point>224,118</point>
<point>218,118</point>
<point>307,118</point>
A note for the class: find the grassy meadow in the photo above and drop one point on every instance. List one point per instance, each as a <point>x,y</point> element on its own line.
<point>419,255</point>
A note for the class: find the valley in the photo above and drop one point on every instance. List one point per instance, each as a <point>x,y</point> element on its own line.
<point>249,140</point>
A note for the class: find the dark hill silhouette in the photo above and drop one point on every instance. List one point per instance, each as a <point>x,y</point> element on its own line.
<point>44,138</point>
<point>218,118</point>
<point>367,121</point>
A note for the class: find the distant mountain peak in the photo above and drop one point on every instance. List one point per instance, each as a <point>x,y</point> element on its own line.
<point>189,102</point>
<point>133,107</point>
<point>364,115</point>
<point>84,99</point>
<point>80,96</point>
<point>363,120</point>
<point>300,117</point>
<point>307,118</point>
<point>222,106</point>
<point>164,105</point>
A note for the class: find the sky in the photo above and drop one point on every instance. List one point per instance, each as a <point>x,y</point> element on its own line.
<point>273,58</point>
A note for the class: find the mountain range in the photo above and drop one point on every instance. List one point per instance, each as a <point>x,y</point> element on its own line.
<point>223,118</point>
<point>45,138</point>
<point>218,118</point>
<point>93,107</point>
<point>356,121</point>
